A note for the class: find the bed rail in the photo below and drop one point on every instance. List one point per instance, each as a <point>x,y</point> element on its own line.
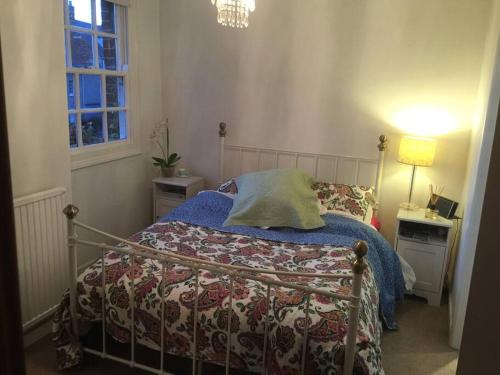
<point>231,271</point>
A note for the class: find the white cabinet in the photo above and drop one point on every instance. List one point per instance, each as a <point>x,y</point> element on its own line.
<point>424,243</point>
<point>170,192</point>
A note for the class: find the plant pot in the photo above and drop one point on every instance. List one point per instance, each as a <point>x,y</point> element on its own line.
<point>167,171</point>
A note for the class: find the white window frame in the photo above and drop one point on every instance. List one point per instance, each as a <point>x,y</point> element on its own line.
<point>88,155</point>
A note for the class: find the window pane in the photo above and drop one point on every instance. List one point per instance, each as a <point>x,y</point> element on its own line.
<point>107,53</point>
<point>117,125</point>
<point>105,16</point>
<point>80,13</point>
<point>70,88</point>
<point>92,128</point>
<point>81,50</point>
<point>73,133</point>
<point>122,41</point>
<point>90,91</point>
<point>115,91</point>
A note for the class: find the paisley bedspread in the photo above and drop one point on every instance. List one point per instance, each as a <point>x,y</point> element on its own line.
<point>210,209</point>
<point>328,318</point>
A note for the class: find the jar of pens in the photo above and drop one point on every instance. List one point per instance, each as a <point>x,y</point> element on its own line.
<point>431,212</point>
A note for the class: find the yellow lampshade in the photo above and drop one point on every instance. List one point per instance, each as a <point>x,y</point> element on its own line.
<point>417,151</point>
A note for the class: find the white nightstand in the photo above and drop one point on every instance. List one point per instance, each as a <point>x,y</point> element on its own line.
<point>170,192</point>
<point>425,244</point>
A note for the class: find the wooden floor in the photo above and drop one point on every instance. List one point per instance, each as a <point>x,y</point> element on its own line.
<point>420,347</point>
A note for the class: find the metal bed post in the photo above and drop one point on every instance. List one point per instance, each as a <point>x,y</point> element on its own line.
<point>229,316</point>
<point>222,137</point>
<point>382,146</point>
<point>162,329</point>
<point>103,301</point>
<point>266,329</point>
<point>358,268</point>
<point>306,330</point>
<point>71,211</point>
<point>195,322</point>
<point>132,313</point>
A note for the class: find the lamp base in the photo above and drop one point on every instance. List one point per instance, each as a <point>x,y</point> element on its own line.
<point>409,206</point>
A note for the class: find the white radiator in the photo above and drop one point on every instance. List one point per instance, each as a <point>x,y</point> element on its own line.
<point>41,253</point>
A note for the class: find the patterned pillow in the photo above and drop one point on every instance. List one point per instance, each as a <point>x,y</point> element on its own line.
<point>353,199</point>
<point>228,187</point>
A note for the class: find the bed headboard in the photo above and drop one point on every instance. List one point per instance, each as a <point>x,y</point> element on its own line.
<point>235,160</point>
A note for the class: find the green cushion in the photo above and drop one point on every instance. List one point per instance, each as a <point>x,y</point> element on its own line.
<point>275,198</point>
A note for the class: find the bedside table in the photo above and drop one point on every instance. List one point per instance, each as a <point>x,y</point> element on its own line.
<point>170,192</point>
<point>425,244</point>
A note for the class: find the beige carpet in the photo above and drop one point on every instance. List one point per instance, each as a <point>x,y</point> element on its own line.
<point>420,347</point>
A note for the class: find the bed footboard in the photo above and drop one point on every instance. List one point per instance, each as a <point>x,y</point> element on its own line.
<point>166,258</point>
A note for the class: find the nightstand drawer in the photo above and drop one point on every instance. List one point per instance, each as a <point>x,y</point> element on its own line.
<point>164,206</point>
<point>427,262</point>
<point>171,196</point>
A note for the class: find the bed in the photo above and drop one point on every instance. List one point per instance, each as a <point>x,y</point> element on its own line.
<point>274,301</point>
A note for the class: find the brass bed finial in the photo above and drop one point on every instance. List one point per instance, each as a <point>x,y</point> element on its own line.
<point>360,248</point>
<point>71,211</point>
<point>222,129</point>
<point>383,143</point>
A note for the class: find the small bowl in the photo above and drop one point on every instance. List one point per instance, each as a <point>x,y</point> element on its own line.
<point>182,172</point>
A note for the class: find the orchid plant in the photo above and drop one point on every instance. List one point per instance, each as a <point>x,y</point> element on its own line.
<point>161,137</point>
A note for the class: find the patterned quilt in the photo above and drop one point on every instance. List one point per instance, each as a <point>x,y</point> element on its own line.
<point>328,318</point>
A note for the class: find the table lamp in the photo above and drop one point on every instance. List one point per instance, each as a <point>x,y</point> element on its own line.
<point>418,152</point>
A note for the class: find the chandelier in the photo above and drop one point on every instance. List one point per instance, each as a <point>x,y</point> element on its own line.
<point>234,13</point>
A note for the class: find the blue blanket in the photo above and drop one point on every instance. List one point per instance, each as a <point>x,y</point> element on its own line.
<point>210,209</point>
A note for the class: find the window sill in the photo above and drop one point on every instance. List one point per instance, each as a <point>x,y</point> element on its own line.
<point>89,158</point>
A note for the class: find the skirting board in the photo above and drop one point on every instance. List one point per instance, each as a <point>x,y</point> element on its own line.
<point>37,333</point>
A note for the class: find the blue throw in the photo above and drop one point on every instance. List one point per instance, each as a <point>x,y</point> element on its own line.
<point>210,209</point>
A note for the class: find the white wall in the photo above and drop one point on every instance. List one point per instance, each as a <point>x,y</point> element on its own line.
<point>33,61</point>
<point>326,76</point>
<point>117,196</point>
<point>32,39</point>
<point>114,196</point>
<point>488,99</point>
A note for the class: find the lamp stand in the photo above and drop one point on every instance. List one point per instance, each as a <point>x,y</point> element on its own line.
<point>408,205</point>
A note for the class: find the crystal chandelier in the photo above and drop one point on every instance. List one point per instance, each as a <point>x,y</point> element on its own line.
<point>234,13</point>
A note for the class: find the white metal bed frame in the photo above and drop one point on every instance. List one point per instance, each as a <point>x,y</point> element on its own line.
<point>171,258</point>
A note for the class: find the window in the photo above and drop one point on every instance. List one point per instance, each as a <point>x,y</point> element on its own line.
<point>96,72</point>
